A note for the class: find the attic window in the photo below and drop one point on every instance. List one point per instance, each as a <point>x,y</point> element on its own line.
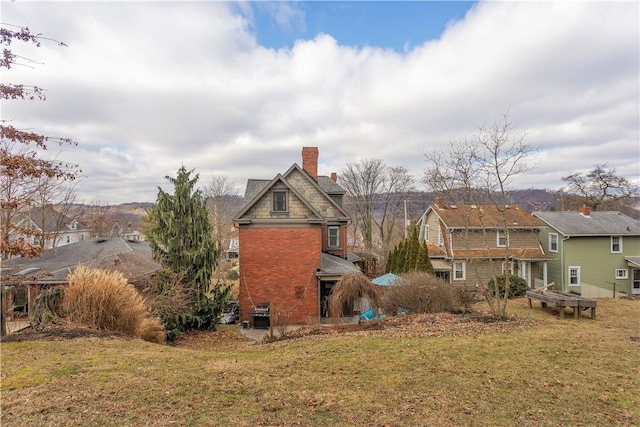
<point>74,224</point>
<point>280,201</point>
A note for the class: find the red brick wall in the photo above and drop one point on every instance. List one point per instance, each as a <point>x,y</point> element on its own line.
<point>278,265</point>
<point>310,160</point>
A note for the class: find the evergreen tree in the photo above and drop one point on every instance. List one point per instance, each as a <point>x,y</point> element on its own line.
<point>411,253</point>
<point>179,233</point>
<point>399,260</point>
<point>424,261</point>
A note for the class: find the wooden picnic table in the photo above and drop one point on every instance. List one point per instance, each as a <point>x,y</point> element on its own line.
<point>563,299</point>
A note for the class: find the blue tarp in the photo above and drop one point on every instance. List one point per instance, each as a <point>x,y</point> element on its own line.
<point>371,315</point>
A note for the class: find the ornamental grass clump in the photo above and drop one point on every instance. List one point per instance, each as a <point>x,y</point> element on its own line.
<point>103,300</point>
<point>348,292</point>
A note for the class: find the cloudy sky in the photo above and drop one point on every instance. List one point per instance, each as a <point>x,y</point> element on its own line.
<point>237,89</point>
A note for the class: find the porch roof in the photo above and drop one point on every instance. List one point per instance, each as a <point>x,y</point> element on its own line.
<point>531,254</point>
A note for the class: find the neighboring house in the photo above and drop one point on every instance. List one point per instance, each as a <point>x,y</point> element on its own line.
<point>129,256</point>
<point>593,249</point>
<point>468,244</point>
<point>292,243</point>
<point>47,223</point>
<point>234,248</point>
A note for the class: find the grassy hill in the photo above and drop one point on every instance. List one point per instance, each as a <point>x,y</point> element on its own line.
<point>544,372</point>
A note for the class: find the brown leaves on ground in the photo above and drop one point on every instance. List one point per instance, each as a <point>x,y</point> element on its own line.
<point>419,325</point>
<point>411,326</point>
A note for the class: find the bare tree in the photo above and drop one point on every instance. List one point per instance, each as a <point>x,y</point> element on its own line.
<point>375,195</point>
<point>396,185</point>
<point>601,188</point>
<point>479,170</point>
<point>221,196</point>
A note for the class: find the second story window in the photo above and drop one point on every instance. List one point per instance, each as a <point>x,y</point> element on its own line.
<point>553,242</point>
<point>501,238</point>
<point>616,244</point>
<point>280,201</point>
<point>334,237</point>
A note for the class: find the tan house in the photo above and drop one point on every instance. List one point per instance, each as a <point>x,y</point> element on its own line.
<point>470,244</point>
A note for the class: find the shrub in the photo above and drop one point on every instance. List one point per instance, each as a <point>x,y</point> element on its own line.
<point>517,286</point>
<point>423,293</point>
<point>103,300</point>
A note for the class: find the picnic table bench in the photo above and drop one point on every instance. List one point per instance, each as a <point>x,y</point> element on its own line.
<point>563,299</point>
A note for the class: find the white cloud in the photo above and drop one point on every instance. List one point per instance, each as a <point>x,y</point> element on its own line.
<point>186,83</point>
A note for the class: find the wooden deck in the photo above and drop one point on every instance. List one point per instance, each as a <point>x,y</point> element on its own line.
<point>563,299</point>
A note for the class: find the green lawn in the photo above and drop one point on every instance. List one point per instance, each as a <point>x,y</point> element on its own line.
<point>556,372</point>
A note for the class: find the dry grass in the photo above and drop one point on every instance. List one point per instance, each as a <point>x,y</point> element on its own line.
<point>554,372</point>
<point>103,300</point>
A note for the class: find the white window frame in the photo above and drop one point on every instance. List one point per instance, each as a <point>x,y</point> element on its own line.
<point>616,240</point>
<point>500,235</point>
<point>440,238</point>
<point>426,233</point>
<point>462,270</point>
<point>511,264</point>
<point>553,242</point>
<point>335,238</point>
<point>575,268</point>
<point>622,273</point>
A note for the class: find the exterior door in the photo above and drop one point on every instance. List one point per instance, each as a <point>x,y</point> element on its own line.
<point>524,272</point>
<point>635,284</point>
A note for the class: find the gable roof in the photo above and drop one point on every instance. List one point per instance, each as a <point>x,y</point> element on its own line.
<point>266,188</point>
<point>257,188</point>
<point>598,223</point>
<point>484,216</point>
<point>49,220</point>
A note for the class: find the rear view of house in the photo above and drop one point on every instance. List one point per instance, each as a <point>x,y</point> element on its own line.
<point>593,251</point>
<point>292,243</point>
<point>470,244</point>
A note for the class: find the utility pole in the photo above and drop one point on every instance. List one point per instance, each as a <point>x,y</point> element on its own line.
<point>405,220</point>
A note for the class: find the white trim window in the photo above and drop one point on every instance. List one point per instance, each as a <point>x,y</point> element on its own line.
<point>426,233</point>
<point>616,244</point>
<point>440,239</point>
<point>333,237</point>
<point>459,270</point>
<point>553,242</point>
<point>504,264</point>
<point>501,238</point>
<point>574,276</point>
<point>622,273</point>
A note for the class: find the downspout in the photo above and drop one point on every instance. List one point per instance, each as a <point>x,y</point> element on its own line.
<point>562,261</point>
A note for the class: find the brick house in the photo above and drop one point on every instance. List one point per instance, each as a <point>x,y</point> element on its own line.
<point>468,244</point>
<point>292,243</point>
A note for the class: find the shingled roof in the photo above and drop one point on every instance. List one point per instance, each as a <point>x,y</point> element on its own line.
<point>485,216</point>
<point>597,223</point>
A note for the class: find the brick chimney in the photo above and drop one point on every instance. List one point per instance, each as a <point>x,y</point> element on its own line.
<point>334,177</point>
<point>439,203</point>
<point>585,211</point>
<point>310,161</point>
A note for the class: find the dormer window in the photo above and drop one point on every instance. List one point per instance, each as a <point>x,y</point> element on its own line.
<point>280,201</point>
<point>74,224</point>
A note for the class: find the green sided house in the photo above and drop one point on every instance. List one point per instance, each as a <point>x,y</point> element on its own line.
<point>593,252</point>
